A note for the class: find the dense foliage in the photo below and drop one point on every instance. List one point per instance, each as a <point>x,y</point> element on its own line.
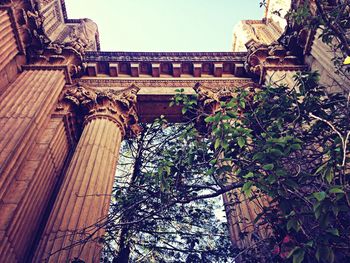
<point>159,211</point>
<point>293,145</point>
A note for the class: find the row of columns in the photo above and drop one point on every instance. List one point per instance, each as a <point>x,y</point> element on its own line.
<point>39,163</point>
<point>36,166</point>
<point>25,108</point>
<point>84,197</point>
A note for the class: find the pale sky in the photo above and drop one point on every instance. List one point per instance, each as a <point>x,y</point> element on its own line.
<point>165,25</point>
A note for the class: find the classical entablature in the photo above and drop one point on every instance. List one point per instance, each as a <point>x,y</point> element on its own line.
<point>166,64</point>
<point>160,74</point>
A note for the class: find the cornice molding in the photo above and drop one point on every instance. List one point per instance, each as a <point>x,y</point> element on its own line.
<point>164,56</point>
<point>67,69</point>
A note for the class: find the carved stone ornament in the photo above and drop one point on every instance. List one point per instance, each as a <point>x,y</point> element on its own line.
<point>45,2</point>
<point>82,36</point>
<point>44,51</point>
<point>261,56</point>
<point>210,98</point>
<point>117,105</point>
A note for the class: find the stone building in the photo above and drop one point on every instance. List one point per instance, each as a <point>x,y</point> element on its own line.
<point>65,107</point>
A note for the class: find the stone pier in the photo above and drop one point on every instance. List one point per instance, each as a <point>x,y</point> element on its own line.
<point>75,225</point>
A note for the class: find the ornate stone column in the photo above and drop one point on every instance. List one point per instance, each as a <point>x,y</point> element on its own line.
<point>76,222</point>
<point>26,199</point>
<point>240,211</point>
<point>26,106</point>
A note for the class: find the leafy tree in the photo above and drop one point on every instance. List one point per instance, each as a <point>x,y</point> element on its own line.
<point>163,208</point>
<point>291,144</point>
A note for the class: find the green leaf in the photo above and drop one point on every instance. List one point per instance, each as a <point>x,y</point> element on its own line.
<point>298,256</point>
<point>319,169</point>
<point>242,103</point>
<point>296,146</point>
<point>333,231</point>
<point>293,223</point>
<point>276,152</point>
<point>184,109</point>
<point>217,143</point>
<point>320,196</point>
<point>241,141</point>
<point>249,175</point>
<point>325,254</point>
<point>329,175</point>
<point>232,114</point>
<point>213,161</point>
<point>209,119</point>
<point>231,104</point>
<point>268,167</point>
<point>317,210</point>
<point>271,178</point>
<point>167,169</point>
<point>258,156</point>
<point>247,188</point>
<point>292,251</point>
<point>336,190</point>
<point>310,243</point>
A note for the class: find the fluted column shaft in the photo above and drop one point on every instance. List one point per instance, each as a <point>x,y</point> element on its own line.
<point>25,107</point>
<point>84,197</point>
<point>76,223</point>
<point>8,44</point>
<point>26,199</point>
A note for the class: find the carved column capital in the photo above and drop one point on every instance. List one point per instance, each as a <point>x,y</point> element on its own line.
<point>262,57</point>
<point>210,97</point>
<point>117,105</point>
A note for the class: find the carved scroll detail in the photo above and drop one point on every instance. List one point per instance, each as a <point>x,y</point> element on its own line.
<point>116,105</point>
<point>261,56</point>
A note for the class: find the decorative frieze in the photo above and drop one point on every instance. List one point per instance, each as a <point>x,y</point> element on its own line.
<point>163,82</point>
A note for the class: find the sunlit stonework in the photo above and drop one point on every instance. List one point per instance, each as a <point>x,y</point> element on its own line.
<point>60,94</point>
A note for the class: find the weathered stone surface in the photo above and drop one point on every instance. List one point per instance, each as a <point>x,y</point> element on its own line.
<point>77,220</point>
